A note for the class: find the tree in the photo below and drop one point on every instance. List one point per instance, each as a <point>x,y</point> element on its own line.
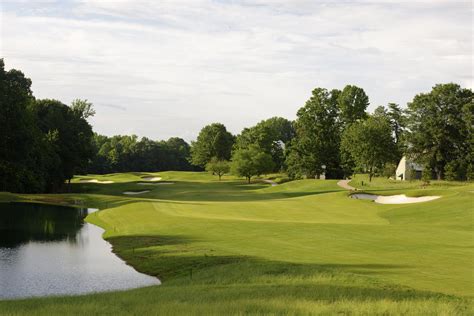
<point>352,103</point>
<point>123,153</point>
<point>43,142</point>
<point>21,143</point>
<point>218,167</point>
<point>441,128</point>
<point>317,137</point>
<point>370,143</point>
<point>398,122</point>
<point>69,137</point>
<point>389,170</point>
<point>468,131</point>
<point>179,152</point>
<point>213,141</point>
<point>82,108</point>
<point>271,135</point>
<point>250,162</point>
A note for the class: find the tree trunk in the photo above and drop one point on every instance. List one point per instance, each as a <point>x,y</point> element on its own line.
<point>220,177</point>
<point>370,175</point>
<point>248,180</point>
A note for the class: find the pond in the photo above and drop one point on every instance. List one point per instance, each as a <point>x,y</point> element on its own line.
<point>50,250</point>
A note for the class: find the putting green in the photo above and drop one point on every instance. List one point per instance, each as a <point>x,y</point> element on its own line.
<point>299,247</point>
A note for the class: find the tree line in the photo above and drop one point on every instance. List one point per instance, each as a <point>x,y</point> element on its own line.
<point>122,153</point>
<point>45,142</point>
<point>334,135</point>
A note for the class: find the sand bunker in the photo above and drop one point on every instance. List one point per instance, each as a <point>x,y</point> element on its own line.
<point>151,178</point>
<point>273,183</point>
<point>135,192</point>
<point>393,199</point>
<point>95,181</point>
<point>158,183</point>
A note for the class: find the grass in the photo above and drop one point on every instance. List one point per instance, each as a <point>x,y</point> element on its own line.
<point>302,247</point>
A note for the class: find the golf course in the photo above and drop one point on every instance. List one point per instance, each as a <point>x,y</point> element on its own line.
<point>299,247</point>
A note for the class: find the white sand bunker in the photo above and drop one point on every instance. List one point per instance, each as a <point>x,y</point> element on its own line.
<point>151,178</point>
<point>135,192</point>
<point>95,181</point>
<point>393,199</point>
<point>158,183</point>
<point>273,183</point>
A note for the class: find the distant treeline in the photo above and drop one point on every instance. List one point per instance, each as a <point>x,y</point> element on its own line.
<point>128,153</point>
<point>45,142</point>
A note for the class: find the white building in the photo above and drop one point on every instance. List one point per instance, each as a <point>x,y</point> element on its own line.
<point>408,170</point>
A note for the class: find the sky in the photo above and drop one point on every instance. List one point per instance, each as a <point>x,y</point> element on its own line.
<point>167,68</point>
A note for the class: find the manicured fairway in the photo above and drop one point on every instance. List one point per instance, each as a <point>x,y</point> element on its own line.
<point>300,247</point>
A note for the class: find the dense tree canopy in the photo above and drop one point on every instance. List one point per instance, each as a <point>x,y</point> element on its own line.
<point>441,127</point>
<point>20,145</point>
<point>398,123</point>
<point>271,135</point>
<point>316,145</point>
<point>218,167</point>
<point>251,161</point>
<point>70,137</point>
<point>353,102</point>
<point>213,141</point>
<point>128,153</point>
<point>370,143</point>
<point>44,142</point>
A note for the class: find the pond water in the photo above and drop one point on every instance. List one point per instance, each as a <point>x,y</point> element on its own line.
<point>50,250</point>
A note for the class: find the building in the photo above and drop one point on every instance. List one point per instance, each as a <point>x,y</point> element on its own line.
<point>408,170</point>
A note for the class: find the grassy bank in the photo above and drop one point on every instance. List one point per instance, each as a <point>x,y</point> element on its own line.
<point>300,247</point>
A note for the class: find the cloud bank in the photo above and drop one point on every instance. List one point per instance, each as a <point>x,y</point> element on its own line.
<point>167,68</point>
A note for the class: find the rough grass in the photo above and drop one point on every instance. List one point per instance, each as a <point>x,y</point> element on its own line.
<point>302,247</point>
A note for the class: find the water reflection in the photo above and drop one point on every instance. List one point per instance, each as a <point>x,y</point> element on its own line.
<point>24,222</point>
<point>50,250</point>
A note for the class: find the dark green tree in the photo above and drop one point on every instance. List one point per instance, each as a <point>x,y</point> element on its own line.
<point>21,143</point>
<point>218,167</point>
<point>69,136</point>
<point>441,127</point>
<point>179,152</point>
<point>271,135</point>
<point>398,122</point>
<point>213,141</point>
<point>123,153</point>
<point>317,137</point>
<point>353,102</point>
<point>370,143</point>
<point>249,162</point>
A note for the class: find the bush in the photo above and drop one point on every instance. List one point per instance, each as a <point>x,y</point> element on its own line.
<point>426,175</point>
<point>389,170</point>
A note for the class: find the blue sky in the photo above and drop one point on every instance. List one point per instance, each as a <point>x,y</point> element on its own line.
<point>167,68</point>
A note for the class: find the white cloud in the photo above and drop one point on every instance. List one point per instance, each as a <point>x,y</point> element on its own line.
<point>167,68</point>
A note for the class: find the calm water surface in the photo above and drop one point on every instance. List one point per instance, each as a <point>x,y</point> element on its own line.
<point>50,250</point>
